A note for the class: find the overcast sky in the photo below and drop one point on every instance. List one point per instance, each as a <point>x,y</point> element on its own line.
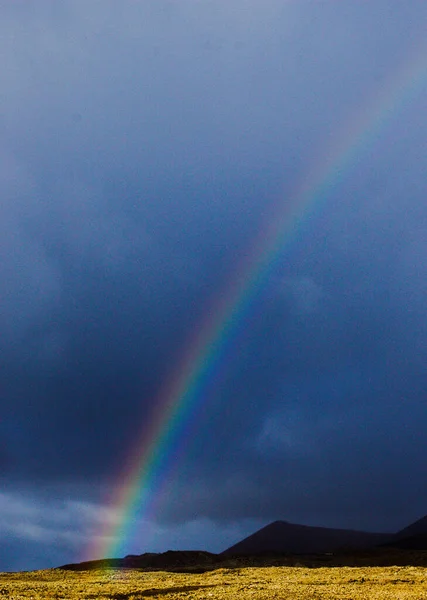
<point>143,146</point>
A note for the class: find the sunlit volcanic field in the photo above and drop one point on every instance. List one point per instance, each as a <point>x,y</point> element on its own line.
<point>300,582</point>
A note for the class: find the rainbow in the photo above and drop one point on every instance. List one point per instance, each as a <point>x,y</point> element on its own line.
<point>192,377</point>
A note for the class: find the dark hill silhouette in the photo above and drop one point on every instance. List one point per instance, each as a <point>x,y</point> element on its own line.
<point>413,542</point>
<point>415,529</point>
<point>413,536</point>
<point>284,537</point>
<point>172,560</point>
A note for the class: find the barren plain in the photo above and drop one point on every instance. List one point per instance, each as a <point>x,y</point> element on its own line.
<point>254,583</point>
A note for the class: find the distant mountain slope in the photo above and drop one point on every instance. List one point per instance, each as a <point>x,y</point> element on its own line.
<point>285,537</point>
<point>417,528</point>
<point>413,536</point>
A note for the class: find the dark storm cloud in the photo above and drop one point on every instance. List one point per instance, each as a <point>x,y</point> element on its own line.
<point>142,146</point>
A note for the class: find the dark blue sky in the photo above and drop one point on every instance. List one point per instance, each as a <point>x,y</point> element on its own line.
<point>143,145</point>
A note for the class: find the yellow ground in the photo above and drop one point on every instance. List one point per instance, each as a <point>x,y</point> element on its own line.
<point>344,583</point>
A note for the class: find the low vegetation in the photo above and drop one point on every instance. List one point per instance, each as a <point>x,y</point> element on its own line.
<point>255,583</point>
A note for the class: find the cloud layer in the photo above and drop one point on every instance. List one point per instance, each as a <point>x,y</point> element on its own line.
<point>143,148</point>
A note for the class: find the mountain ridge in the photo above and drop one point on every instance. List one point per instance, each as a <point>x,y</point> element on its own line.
<point>282,542</point>
<point>293,538</point>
